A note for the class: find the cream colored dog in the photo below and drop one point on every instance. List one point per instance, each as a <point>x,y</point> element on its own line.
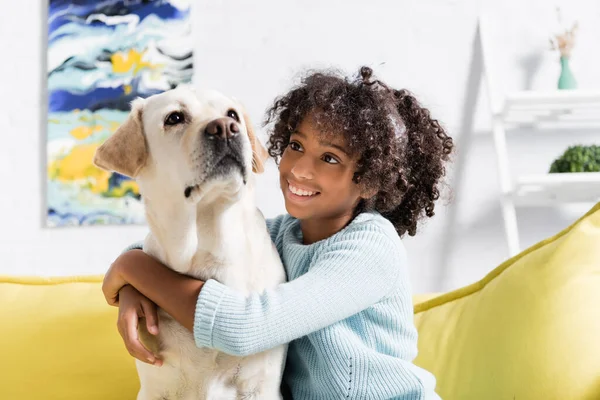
<point>193,154</point>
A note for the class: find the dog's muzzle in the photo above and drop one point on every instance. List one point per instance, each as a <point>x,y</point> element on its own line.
<point>224,144</point>
<point>224,148</point>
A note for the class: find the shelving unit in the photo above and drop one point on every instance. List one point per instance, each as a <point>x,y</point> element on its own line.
<point>555,189</point>
<point>560,109</point>
<point>552,109</point>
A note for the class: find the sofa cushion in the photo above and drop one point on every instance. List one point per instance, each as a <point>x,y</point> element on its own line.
<point>59,341</point>
<point>529,330</point>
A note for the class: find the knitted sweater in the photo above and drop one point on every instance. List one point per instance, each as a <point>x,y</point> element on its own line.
<point>346,312</point>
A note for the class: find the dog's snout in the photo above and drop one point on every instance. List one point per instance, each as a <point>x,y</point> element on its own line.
<point>222,128</point>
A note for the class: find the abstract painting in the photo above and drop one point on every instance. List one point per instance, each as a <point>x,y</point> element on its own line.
<point>101,55</point>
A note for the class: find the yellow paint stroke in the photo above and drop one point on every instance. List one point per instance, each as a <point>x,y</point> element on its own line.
<point>124,62</point>
<point>83,132</point>
<point>126,186</point>
<point>114,126</point>
<point>127,89</point>
<point>77,166</point>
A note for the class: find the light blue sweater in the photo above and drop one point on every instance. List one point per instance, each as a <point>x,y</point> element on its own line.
<point>346,311</point>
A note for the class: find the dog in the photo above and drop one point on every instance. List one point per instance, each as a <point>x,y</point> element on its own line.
<point>194,155</point>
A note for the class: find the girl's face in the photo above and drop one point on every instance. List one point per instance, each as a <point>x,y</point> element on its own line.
<point>316,175</point>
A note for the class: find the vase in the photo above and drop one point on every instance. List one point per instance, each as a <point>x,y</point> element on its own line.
<point>566,79</point>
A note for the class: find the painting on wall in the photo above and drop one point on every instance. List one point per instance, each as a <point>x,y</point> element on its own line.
<point>101,55</point>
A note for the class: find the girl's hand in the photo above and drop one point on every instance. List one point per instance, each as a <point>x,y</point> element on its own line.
<point>113,282</point>
<point>114,279</point>
<point>132,306</point>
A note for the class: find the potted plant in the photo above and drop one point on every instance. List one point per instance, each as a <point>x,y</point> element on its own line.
<point>578,158</point>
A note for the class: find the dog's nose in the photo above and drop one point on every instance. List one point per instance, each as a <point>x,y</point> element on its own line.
<point>222,128</point>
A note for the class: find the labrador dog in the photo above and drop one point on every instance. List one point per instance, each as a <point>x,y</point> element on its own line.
<point>193,154</point>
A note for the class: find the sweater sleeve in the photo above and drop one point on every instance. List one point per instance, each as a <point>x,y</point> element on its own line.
<point>346,276</point>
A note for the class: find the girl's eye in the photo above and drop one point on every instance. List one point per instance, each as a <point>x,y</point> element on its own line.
<point>233,114</point>
<point>295,146</point>
<point>174,118</point>
<point>329,159</point>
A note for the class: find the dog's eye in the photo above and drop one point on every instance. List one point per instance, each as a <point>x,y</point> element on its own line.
<point>233,114</point>
<point>174,118</point>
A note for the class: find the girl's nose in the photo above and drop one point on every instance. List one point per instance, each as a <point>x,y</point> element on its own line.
<point>303,168</point>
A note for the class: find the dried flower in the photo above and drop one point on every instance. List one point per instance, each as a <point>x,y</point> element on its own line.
<point>564,42</point>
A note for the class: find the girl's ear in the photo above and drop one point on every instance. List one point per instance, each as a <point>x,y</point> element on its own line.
<point>367,193</point>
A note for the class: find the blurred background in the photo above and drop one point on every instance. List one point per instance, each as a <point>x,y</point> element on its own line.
<point>255,51</point>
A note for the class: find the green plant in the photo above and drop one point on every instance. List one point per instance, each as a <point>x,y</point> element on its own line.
<point>578,159</point>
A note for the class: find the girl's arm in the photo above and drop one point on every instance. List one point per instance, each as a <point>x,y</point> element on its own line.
<point>348,276</point>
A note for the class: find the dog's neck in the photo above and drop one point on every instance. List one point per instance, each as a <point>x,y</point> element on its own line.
<point>185,234</point>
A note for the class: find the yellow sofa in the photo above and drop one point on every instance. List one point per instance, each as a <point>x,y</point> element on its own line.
<point>529,330</point>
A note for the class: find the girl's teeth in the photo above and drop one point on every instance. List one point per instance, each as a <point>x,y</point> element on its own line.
<point>300,192</point>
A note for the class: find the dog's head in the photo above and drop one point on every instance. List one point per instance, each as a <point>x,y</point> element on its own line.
<point>186,141</point>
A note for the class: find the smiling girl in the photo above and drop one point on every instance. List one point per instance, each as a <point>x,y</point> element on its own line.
<point>359,164</point>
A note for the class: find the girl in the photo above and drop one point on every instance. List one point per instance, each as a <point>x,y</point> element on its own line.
<point>360,164</point>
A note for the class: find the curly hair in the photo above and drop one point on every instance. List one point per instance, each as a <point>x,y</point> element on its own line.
<point>400,150</point>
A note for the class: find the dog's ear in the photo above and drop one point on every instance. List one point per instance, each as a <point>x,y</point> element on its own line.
<point>125,151</point>
<point>259,153</point>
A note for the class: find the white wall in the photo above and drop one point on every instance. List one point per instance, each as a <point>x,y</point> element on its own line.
<point>254,50</point>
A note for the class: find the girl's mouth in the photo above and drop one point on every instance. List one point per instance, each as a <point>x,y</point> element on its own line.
<point>298,194</point>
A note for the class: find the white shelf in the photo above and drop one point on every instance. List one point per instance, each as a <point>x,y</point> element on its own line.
<point>535,110</point>
<point>557,188</point>
<point>553,109</point>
